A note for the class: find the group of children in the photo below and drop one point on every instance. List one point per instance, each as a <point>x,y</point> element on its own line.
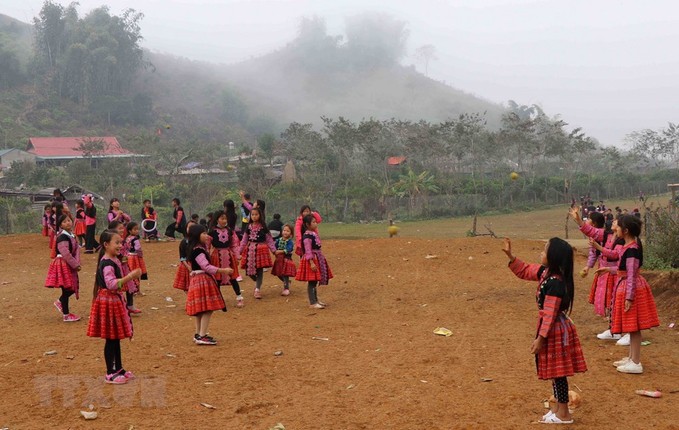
<point>209,258</point>
<point>618,292</point>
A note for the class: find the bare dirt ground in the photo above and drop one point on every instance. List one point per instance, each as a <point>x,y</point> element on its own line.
<point>378,365</point>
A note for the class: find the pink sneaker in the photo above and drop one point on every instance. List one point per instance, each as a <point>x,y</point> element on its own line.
<point>71,318</point>
<point>57,304</point>
<point>240,302</point>
<point>128,375</point>
<point>286,292</point>
<point>258,295</point>
<point>115,378</point>
<point>134,311</point>
<point>239,279</point>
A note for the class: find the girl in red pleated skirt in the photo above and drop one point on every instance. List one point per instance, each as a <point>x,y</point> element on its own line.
<point>256,248</point>
<point>313,267</point>
<point>225,246</point>
<point>557,349</point>
<point>633,306</point>
<point>204,296</point>
<point>135,255</point>
<point>80,229</point>
<point>109,318</point>
<point>64,268</point>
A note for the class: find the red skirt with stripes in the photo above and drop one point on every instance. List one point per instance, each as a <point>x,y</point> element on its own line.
<point>132,286</point>
<point>181,278</point>
<point>323,273</point>
<point>53,245</point>
<point>80,228</point>
<point>562,353</point>
<point>224,258</point>
<point>592,289</point>
<point>262,258</point>
<point>44,230</point>
<point>283,266</point>
<point>109,318</point>
<point>60,275</point>
<point>137,262</point>
<point>204,295</point>
<point>643,313</point>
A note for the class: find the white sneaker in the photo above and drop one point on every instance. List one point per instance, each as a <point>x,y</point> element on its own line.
<point>620,362</point>
<point>624,341</point>
<point>607,335</point>
<point>631,367</point>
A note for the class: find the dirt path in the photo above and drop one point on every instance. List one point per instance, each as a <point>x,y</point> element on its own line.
<point>381,367</point>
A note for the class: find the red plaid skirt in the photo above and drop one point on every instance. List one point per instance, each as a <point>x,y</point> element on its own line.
<point>562,354</point>
<point>592,289</point>
<point>204,295</point>
<point>262,255</point>
<point>53,245</point>
<point>137,262</point>
<point>181,278</point>
<point>224,258</point>
<point>80,228</point>
<point>44,230</point>
<point>109,318</point>
<point>60,275</point>
<point>610,286</point>
<point>323,273</point>
<point>283,266</point>
<point>643,313</point>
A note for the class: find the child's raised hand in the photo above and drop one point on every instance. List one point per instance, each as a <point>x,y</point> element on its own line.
<point>594,244</point>
<point>507,247</point>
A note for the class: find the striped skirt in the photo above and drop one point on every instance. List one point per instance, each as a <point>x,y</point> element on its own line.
<point>204,295</point>
<point>255,256</point>
<point>60,275</point>
<point>643,313</point>
<point>562,353</point>
<point>181,278</point>
<point>283,266</point>
<point>137,262</point>
<point>109,318</point>
<point>224,258</point>
<point>132,286</point>
<point>323,273</point>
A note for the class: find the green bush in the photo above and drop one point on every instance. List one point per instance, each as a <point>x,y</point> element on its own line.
<point>662,236</point>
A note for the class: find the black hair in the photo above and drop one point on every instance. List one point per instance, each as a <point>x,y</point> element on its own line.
<point>48,206</point>
<point>113,225</point>
<point>598,219</point>
<point>61,219</point>
<point>230,211</point>
<point>306,222</point>
<point>193,235</point>
<point>246,196</point>
<point>110,204</point>
<point>105,237</point>
<point>560,262</point>
<point>303,208</point>
<point>262,218</point>
<point>176,200</point>
<point>195,216</point>
<point>146,200</point>
<point>188,224</point>
<point>276,216</point>
<point>632,224</point>
<point>58,209</point>
<point>80,203</point>
<point>215,217</point>
<point>58,193</point>
<point>261,204</point>
<point>130,226</point>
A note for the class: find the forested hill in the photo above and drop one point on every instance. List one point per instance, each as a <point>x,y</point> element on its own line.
<point>312,76</point>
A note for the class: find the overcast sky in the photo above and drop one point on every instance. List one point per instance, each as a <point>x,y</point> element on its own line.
<point>608,66</point>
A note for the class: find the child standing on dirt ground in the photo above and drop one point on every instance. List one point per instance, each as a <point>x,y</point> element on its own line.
<point>181,277</point>
<point>283,266</point>
<point>109,318</point>
<point>226,244</point>
<point>63,270</point>
<point>299,222</point>
<point>79,227</point>
<point>256,248</point>
<point>314,267</point>
<point>633,304</point>
<point>204,295</point>
<point>557,349</point>
<point>131,287</point>
<point>135,255</point>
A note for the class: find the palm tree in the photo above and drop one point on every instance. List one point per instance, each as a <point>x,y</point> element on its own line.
<point>414,185</point>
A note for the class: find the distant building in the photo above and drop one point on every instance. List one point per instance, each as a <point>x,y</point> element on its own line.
<point>9,156</point>
<point>396,161</point>
<point>62,150</point>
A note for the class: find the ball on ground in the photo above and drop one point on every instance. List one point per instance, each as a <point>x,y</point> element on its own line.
<point>514,176</point>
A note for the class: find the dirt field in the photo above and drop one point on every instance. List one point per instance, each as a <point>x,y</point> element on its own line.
<point>379,366</point>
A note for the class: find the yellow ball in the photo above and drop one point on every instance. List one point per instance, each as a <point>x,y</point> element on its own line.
<point>514,176</point>
<point>393,230</point>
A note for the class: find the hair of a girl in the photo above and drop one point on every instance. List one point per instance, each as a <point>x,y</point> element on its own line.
<point>632,224</point>
<point>262,219</point>
<point>306,222</point>
<point>215,218</point>
<point>105,237</point>
<point>304,207</point>
<point>230,210</point>
<point>560,262</point>
<point>58,209</point>
<point>48,207</point>
<point>176,200</point>
<point>113,225</point>
<point>130,226</point>
<point>80,203</point>
<point>598,219</point>
<point>194,233</point>
<point>292,231</point>
<point>61,219</point>
<point>261,204</point>
<point>110,204</point>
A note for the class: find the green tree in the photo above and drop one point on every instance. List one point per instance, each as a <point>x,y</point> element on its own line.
<point>266,145</point>
<point>415,186</point>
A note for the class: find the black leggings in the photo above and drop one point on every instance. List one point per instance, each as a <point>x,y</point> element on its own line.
<point>286,281</point>
<point>560,386</point>
<point>114,361</point>
<point>130,299</point>
<point>65,294</point>
<point>236,286</point>
<point>311,290</point>
<point>90,240</point>
<point>258,278</point>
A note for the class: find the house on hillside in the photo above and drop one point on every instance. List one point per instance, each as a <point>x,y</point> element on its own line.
<point>58,151</point>
<point>9,156</point>
<point>396,161</point>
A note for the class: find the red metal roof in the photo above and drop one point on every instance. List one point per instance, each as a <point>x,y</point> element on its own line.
<point>396,161</point>
<point>68,146</point>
